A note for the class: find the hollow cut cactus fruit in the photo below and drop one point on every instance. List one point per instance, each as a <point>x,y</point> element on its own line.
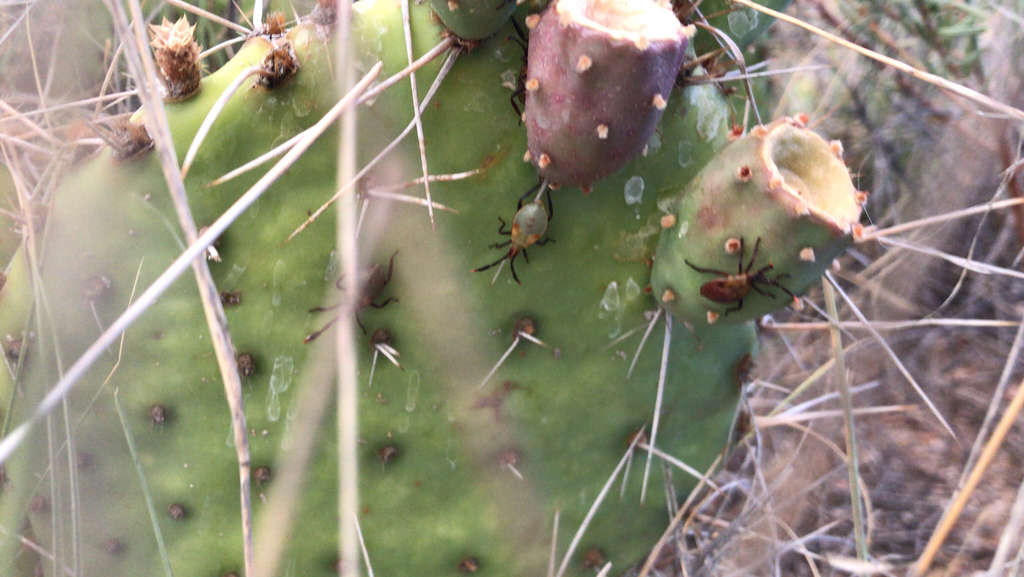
<point>599,76</point>
<point>465,460</point>
<point>759,225</point>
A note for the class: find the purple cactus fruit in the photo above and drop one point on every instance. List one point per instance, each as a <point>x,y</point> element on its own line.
<point>599,76</point>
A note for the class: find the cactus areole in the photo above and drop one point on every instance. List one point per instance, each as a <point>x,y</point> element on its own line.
<point>599,76</point>
<point>782,186</point>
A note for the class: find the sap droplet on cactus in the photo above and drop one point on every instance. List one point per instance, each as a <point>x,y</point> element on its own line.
<point>685,157</point>
<point>503,53</point>
<point>742,21</point>
<point>332,266</point>
<point>610,302</point>
<point>412,391</point>
<point>279,269</point>
<point>710,117</point>
<point>653,143</point>
<point>509,78</point>
<point>403,423</point>
<point>447,454</point>
<point>633,289</point>
<point>234,275</point>
<point>273,408</point>
<point>480,103</point>
<point>302,108</point>
<point>281,377</point>
<point>684,227</point>
<point>634,190</point>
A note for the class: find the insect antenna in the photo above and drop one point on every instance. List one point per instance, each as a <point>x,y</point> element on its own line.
<point>483,268</point>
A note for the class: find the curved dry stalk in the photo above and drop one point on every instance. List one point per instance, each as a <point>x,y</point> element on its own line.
<point>846,400</point>
<point>211,117</point>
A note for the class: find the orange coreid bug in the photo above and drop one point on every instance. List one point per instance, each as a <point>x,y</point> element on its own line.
<point>733,288</point>
<point>528,225</point>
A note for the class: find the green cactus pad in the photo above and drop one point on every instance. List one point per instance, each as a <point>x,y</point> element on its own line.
<point>458,473</point>
<point>474,19</point>
<point>781,188</point>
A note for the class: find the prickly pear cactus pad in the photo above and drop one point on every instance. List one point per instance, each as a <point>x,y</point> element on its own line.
<point>598,79</point>
<point>507,403</point>
<point>758,225</point>
<point>473,19</point>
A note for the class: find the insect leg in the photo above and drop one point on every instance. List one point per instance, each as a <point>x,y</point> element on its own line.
<point>528,193</point>
<point>512,265</point>
<point>391,268</point>
<point>753,256</point>
<point>483,268</point>
<point>705,270</point>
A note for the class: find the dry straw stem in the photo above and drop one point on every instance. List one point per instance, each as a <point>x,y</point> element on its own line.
<point>939,81</point>
<point>851,437</point>
<point>345,350</point>
<point>143,68</point>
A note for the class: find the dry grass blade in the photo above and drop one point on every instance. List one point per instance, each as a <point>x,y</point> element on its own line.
<point>846,399</point>
<point>347,411</point>
<point>208,15</point>
<point>870,234</point>
<point>993,407</point>
<point>952,514</point>
<point>143,68</point>
<point>893,325</point>
<point>593,508</point>
<point>939,81</point>
<point>142,482</point>
<point>892,355</point>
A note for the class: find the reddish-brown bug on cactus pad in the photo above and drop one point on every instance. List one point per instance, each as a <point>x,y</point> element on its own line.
<point>733,288</point>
